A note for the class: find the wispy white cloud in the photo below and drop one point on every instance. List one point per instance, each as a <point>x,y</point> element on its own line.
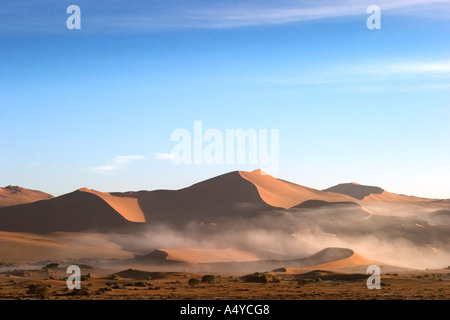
<point>231,14</point>
<point>258,12</point>
<point>164,156</point>
<point>418,68</point>
<point>432,75</point>
<point>142,16</point>
<point>117,163</point>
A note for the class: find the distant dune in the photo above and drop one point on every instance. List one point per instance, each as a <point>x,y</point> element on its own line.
<point>212,200</point>
<point>323,275</point>
<point>14,195</point>
<point>235,195</point>
<point>355,190</point>
<point>343,262</point>
<point>370,193</point>
<point>386,196</point>
<point>77,211</point>
<point>145,275</point>
<point>197,256</point>
<point>283,194</point>
<point>326,259</point>
<point>332,258</point>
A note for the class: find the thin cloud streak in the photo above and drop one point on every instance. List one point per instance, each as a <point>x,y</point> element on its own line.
<point>436,72</point>
<point>117,163</point>
<point>164,156</point>
<point>149,16</point>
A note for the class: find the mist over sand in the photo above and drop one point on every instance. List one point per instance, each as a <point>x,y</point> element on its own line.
<point>405,242</point>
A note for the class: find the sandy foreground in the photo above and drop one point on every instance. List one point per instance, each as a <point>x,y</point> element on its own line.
<point>133,284</point>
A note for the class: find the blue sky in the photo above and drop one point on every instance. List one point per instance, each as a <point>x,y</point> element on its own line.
<point>92,107</point>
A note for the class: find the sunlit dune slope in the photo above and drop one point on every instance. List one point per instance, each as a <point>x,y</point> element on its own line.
<point>283,194</point>
<point>14,195</point>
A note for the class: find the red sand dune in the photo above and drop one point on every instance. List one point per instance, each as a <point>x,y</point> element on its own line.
<point>209,201</point>
<point>370,193</point>
<point>386,196</point>
<point>326,259</point>
<point>344,262</point>
<point>283,194</point>
<point>14,195</point>
<point>32,248</point>
<point>232,195</point>
<point>197,256</point>
<point>127,207</point>
<point>81,210</point>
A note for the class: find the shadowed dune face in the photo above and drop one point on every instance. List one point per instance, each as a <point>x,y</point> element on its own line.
<point>14,195</point>
<point>283,194</point>
<point>369,193</point>
<point>330,259</point>
<point>210,201</point>
<point>197,256</point>
<point>352,261</point>
<point>143,275</point>
<point>328,255</point>
<point>76,211</point>
<point>326,259</point>
<point>314,204</point>
<point>355,190</point>
<point>235,260</point>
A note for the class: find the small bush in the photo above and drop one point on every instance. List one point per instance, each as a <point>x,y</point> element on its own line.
<point>276,279</point>
<point>209,278</point>
<point>259,277</point>
<point>113,277</point>
<point>140,284</point>
<point>83,291</point>
<point>302,282</point>
<point>193,282</point>
<point>85,277</point>
<point>38,290</point>
<point>12,264</point>
<point>22,273</point>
